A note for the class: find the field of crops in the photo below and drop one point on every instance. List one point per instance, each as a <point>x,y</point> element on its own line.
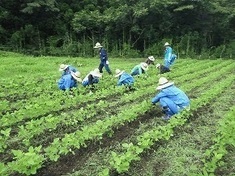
<point>45,131</point>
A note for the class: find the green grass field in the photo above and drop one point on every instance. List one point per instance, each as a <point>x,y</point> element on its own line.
<point>45,131</point>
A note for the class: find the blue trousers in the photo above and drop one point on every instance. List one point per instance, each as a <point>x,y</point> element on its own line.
<point>169,107</point>
<point>106,66</point>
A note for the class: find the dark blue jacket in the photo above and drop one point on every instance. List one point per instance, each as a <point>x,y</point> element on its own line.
<point>103,55</point>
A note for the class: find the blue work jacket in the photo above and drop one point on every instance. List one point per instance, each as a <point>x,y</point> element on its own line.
<point>125,79</point>
<point>173,93</point>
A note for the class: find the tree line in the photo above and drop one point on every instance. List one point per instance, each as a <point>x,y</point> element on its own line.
<point>127,28</point>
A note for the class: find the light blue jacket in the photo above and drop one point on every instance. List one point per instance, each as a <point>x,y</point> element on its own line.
<point>66,82</point>
<point>167,57</point>
<point>125,79</point>
<point>173,93</point>
<point>137,70</point>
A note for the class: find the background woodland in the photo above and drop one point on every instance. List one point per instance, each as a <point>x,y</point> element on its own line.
<point>136,28</point>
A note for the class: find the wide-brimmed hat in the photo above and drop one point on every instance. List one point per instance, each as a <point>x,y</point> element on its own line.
<point>98,45</point>
<point>144,66</point>
<point>166,44</point>
<point>63,67</point>
<point>76,76</point>
<point>96,73</point>
<point>163,83</point>
<point>118,72</point>
<point>151,58</point>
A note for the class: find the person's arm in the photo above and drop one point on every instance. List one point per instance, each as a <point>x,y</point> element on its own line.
<point>157,97</point>
<point>140,70</point>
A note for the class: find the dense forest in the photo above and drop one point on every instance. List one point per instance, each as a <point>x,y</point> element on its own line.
<point>134,28</point>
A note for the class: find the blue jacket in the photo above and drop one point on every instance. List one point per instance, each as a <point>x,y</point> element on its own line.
<point>125,79</point>
<point>167,57</point>
<point>137,70</point>
<point>66,82</point>
<point>173,93</point>
<point>103,55</point>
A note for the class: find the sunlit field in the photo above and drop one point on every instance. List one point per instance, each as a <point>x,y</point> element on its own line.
<point>113,131</point>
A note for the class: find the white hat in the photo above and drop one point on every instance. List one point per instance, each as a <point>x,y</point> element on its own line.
<point>118,72</point>
<point>144,66</point>
<point>151,58</point>
<point>63,67</point>
<point>96,73</point>
<point>166,44</point>
<point>163,83</point>
<point>76,76</point>
<point>158,65</point>
<point>98,45</point>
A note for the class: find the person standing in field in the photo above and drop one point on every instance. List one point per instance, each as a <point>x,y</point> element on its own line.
<point>92,78</point>
<point>124,79</point>
<point>69,81</point>
<point>103,58</point>
<point>139,69</point>
<point>172,99</point>
<point>150,60</point>
<point>169,57</point>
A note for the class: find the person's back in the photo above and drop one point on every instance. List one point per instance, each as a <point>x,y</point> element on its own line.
<point>125,79</point>
<point>139,69</point>
<point>66,82</point>
<point>176,95</point>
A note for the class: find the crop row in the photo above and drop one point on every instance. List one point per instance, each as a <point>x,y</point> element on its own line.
<point>64,145</point>
<point>121,162</point>
<point>224,138</point>
<point>37,126</point>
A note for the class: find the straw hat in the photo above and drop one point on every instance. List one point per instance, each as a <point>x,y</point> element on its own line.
<point>151,58</point>
<point>118,72</point>
<point>98,45</point>
<point>163,83</point>
<point>166,44</point>
<point>63,67</point>
<point>96,73</point>
<point>144,66</point>
<point>76,76</point>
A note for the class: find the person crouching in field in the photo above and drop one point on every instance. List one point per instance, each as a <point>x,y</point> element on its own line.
<point>150,60</point>
<point>171,99</point>
<point>103,58</point>
<point>69,81</point>
<point>69,78</point>
<point>124,79</point>
<point>92,78</point>
<point>139,69</point>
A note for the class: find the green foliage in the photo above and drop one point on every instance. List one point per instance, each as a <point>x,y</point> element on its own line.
<point>28,162</point>
<point>128,27</point>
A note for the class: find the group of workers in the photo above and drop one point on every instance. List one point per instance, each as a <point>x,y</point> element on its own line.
<point>172,99</point>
